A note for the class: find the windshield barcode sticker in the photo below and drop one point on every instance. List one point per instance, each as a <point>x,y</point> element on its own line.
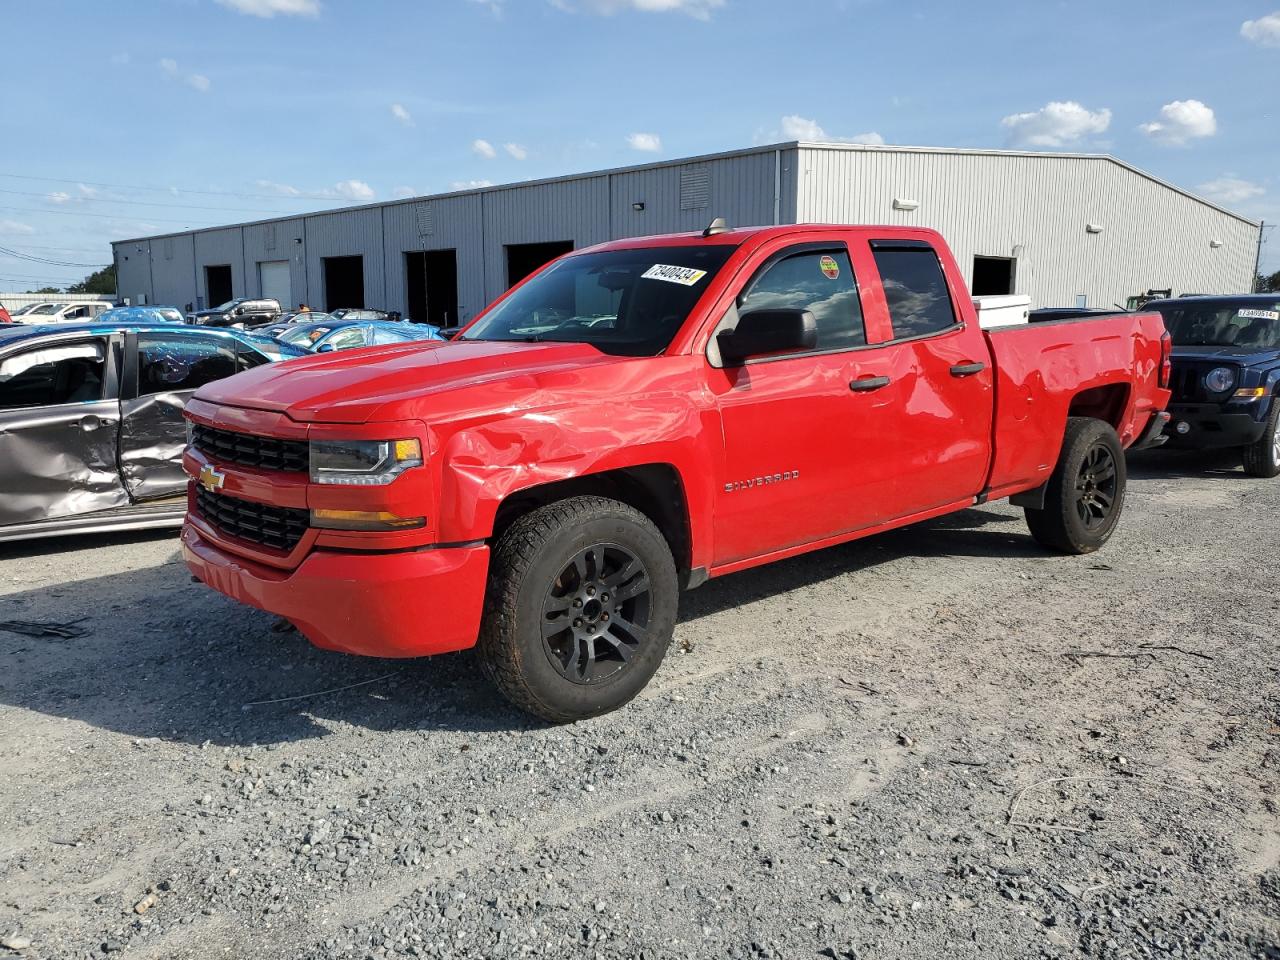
<point>685,276</point>
<point>1259,314</point>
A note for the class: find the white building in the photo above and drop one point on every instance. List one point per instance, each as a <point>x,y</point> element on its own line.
<point>1062,228</point>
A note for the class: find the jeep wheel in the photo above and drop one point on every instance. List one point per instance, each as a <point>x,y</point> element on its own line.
<point>1262,459</point>
<point>1085,492</point>
<point>580,608</point>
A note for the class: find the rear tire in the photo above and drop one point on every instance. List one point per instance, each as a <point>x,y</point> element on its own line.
<point>1085,492</point>
<point>1262,459</point>
<point>580,608</point>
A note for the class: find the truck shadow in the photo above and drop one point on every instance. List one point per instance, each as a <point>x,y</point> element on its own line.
<point>166,658</point>
<point>1177,464</point>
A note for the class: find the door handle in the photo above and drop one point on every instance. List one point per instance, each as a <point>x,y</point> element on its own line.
<point>90,423</point>
<point>967,369</point>
<point>868,383</point>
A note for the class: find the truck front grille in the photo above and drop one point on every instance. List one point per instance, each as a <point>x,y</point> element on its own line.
<point>265,453</point>
<point>278,527</point>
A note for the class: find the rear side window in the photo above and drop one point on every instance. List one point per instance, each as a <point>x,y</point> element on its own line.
<point>820,281</point>
<point>174,364</point>
<point>916,290</point>
<point>49,376</point>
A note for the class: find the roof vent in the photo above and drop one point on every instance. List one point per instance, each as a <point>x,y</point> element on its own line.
<point>718,225</point>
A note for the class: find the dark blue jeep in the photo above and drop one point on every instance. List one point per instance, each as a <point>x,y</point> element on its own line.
<point>1226,370</point>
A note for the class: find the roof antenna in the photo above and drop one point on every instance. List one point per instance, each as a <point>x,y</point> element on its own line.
<point>718,225</point>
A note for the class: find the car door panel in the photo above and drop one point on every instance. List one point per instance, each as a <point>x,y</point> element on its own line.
<point>58,459</point>
<point>162,372</point>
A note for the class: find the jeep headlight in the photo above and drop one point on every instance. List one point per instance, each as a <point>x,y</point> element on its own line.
<point>362,463</point>
<point>1220,379</point>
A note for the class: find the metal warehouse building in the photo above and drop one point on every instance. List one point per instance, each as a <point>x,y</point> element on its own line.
<point>1062,228</point>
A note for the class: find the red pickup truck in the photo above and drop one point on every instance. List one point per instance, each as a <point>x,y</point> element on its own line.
<point>635,418</point>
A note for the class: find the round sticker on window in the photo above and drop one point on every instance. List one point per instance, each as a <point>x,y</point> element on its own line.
<point>830,269</point>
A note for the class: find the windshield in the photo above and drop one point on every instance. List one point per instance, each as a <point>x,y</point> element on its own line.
<point>47,308</point>
<point>273,348</point>
<point>305,335</point>
<point>228,305</point>
<point>22,311</point>
<point>624,302</point>
<point>1250,323</point>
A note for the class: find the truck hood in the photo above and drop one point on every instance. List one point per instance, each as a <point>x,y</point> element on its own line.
<point>1247,356</point>
<point>395,382</point>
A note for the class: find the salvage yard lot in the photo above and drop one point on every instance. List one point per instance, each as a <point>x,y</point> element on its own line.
<point>908,746</point>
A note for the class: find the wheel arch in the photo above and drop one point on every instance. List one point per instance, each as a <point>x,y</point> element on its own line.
<point>1108,402</point>
<point>655,489</point>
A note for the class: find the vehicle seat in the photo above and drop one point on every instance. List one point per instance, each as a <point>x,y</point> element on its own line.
<point>83,384</point>
<point>1260,332</point>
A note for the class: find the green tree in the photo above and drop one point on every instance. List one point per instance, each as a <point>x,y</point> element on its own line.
<point>100,281</point>
<point>1269,284</point>
<point>45,290</point>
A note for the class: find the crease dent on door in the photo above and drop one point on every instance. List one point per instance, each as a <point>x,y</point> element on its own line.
<point>150,445</point>
<point>53,464</point>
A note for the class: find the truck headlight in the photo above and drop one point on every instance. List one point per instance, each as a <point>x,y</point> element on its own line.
<point>362,463</point>
<point>1220,379</point>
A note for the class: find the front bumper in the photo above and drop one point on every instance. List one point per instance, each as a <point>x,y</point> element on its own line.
<point>411,603</point>
<point>1210,425</point>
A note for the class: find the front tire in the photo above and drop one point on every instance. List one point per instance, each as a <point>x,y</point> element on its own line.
<point>1262,458</point>
<point>1085,493</point>
<point>579,610</point>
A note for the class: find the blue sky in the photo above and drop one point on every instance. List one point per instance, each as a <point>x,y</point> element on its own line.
<point>130,118</point>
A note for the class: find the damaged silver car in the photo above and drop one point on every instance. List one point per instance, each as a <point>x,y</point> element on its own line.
<point>91,428</point>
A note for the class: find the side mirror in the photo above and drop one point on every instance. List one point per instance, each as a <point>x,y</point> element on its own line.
<point>762,332</point>
<point>325,348</point>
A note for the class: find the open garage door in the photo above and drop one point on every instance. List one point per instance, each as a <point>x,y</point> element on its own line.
<point>343,282</point>
<point>275,282</point>
<point>217,284</point>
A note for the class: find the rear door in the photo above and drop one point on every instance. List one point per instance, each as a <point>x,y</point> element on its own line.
<point>162,371</point>
<point>940,366</point>
<point>59,417</point>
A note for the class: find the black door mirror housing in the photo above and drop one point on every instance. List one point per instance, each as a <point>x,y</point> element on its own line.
<point>763,332</point>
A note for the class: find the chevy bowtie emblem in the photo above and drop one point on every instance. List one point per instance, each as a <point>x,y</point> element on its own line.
<point>211,479</point>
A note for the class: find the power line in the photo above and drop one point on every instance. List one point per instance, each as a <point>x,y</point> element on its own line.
<point>85,213</point>
<point>88,250</point>
<point>5,251</point>
<point>300,195</point>
<point>151,203</point>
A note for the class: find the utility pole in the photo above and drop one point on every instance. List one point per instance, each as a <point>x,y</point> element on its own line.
<point>1257,260</point>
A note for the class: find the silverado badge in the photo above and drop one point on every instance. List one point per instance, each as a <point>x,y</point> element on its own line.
<point>211,479</point>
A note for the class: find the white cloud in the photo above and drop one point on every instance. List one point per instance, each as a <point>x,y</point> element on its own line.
<point>483,148</point>
<point>1181,121</point>
<point>645,142</point>
<point>795,127</point>
<point>1265,31</point>
<point>403,193</point>
<point>284,189</point>
<point>517,151</point>
<point>197,81</point>
<point>399,111</point>
<point>87,191</point>
<point>1230,190</point>
<point>471,184</point>
<point>270,8</point>
<point>59,196</point>
<point>493,6</point>
<point>13,227</point>
<point>120,59</point>
<point>698,9</point>
<point>354,190</point>
<point>1056,124</point>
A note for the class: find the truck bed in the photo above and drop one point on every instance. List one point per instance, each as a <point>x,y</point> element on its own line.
<point>1080,366</point>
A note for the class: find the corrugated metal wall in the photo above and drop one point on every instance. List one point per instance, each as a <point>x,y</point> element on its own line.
<point>222,247</point>
<point>278,240</point>
<point>1033,207</point>
<point>1036,208</point>
<point>440,223</point>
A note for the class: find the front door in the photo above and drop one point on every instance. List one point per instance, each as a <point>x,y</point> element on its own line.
<point>163,371</point>
<point>809,438</point>
<point>59,417</point>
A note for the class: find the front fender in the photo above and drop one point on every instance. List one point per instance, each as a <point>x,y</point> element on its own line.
<point>479,466</point>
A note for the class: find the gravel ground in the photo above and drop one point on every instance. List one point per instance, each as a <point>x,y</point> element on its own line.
<point>939,742</point>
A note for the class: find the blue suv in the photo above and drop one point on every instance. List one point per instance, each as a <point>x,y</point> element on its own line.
<point>1226,369</point>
